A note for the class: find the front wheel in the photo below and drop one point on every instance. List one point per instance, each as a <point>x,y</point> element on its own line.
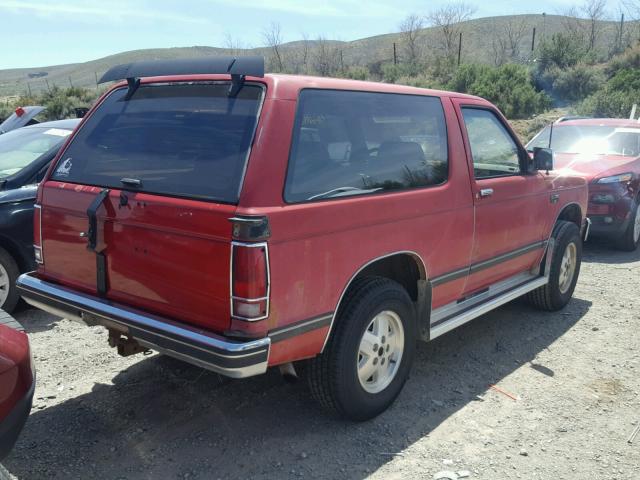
<point>566,259</point>
<point>368,357</point>
<point>631,237</point>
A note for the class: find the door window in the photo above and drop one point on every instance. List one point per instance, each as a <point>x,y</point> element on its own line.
<point>494,152</point>
<point>353,143</point>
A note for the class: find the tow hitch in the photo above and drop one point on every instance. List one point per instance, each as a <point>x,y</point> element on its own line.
<point>126,346</point>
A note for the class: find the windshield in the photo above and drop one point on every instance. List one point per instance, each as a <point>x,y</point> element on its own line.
<point>188,139</point>
<point>590,139</point>
<point>20,147</point>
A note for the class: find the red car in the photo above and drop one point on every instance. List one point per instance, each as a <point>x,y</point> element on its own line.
<point>241,221</point>
<point>606,152</point>
<point>17,381</point>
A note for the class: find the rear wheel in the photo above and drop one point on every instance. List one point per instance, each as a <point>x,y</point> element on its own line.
<point>368,357</point>
<point>8,274</point>
<point>566,259</point>
<point>631,237</point>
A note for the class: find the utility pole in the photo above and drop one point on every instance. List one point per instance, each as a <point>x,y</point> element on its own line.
<point>459,48</point>
<point>395,55</point>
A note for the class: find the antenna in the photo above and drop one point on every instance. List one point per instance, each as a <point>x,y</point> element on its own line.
<point>550,133</point>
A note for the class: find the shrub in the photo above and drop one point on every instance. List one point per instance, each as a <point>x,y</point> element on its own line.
<point>606,103</point>
<point>576,83</point>
<point>356,73</point>
<point>561,51</point>
<point>510,87</point>
<point>391,73</point>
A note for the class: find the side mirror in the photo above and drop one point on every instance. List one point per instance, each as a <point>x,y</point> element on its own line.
<point>543,158</point>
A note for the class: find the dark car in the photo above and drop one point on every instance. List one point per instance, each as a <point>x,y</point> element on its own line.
<point>17,382</point>
<point>25,154</point>
<point>606,152</point>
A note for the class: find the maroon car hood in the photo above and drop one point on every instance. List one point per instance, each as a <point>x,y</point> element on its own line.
<point>592,166</point>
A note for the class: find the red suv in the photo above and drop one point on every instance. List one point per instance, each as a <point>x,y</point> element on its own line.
<point>241,221</point>
<point>606,152</point>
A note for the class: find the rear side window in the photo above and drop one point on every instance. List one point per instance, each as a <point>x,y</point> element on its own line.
<point>352,143</point>
<point>188,140</point>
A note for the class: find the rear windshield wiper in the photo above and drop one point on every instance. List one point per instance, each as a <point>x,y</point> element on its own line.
<point>131,182</point>
<point>343,191</point>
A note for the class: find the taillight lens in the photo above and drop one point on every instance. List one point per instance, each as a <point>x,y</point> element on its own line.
<point>37,234</point>
<point>249,281</point>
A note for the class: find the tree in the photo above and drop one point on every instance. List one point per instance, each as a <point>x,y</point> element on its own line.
<point>448,19</point>
<point>506,40</point>
<point>272,37</point>
<point>234,45</point>
<point>410,29</point>
<point>326,58</point>
<point>595,12</point>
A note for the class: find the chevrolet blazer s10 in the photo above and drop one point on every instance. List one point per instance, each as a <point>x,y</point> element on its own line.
<point>241,221</point>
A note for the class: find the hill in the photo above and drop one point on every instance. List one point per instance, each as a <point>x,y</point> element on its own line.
<point>478,45</point>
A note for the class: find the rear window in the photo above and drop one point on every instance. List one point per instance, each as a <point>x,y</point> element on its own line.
<point>187,139</point>
<point>353,143</point>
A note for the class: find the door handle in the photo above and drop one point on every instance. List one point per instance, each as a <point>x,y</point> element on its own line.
<point>486,192</point>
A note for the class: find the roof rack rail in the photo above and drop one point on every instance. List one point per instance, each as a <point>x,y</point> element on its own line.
<point>237,66</point>
<point>567,118</point>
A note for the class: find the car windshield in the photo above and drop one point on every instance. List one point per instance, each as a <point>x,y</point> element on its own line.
<point>590,139</point>
<point>18,148</point>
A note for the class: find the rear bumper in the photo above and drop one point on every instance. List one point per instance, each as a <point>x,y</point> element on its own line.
<point>196,346</point>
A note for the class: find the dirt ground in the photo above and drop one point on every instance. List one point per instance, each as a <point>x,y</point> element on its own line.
<point>574,376</point>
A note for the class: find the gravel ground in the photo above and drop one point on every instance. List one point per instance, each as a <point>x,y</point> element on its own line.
<point>573,377</point>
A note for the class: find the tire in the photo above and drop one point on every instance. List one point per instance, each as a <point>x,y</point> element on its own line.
<point>554,295</point>
<point>8,274</point>
<point>631,237</point>
<point>334,375</point>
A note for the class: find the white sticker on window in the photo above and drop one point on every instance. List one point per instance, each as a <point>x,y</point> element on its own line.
<point>58,132</point>
<point>64,168</point>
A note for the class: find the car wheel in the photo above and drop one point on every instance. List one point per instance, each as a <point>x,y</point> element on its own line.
<point>8,274</point>
<point>565,268</point>
<point>369,354</point>
<point>631,237</point>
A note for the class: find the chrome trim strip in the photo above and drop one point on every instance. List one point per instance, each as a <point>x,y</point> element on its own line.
<point>479,266</point>
<point>300,328</point>
<point>344,291</point>
<point>450,277</point>
<point>217,353</point>
<point>250,300</point>
<point>487,306</point>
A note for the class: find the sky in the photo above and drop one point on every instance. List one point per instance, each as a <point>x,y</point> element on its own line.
<point>48,32</point>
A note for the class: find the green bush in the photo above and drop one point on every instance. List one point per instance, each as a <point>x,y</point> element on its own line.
<point>510,87</point>
<point>577,82</point>
<point>617,97</point>
<point>60,103</point>
<point>561,51</point>
<point>391,73</point>
<point>356,73</point>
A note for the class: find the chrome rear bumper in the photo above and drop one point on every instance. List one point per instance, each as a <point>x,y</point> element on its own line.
<point>199,347</point>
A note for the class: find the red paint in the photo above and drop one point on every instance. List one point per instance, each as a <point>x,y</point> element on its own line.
<point>16,375</point>
<point>172,256</point>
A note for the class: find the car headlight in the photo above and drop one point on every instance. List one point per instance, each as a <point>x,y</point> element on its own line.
<point>624,177</point>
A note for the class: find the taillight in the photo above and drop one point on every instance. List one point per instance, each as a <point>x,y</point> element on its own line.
<point>37,234</point>
<point>249,281</point>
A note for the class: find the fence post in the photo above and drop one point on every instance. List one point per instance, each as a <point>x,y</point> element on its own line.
<point>96,75</point>
<point>29,88</point>
<point>395,55</point>
<point>459,48</point>
<point>533,39</point>
<point>621,30</point>
<point>48,87</point>
<point>70,84</point>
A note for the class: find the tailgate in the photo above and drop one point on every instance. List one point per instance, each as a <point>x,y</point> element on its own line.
<point>164,255</point>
